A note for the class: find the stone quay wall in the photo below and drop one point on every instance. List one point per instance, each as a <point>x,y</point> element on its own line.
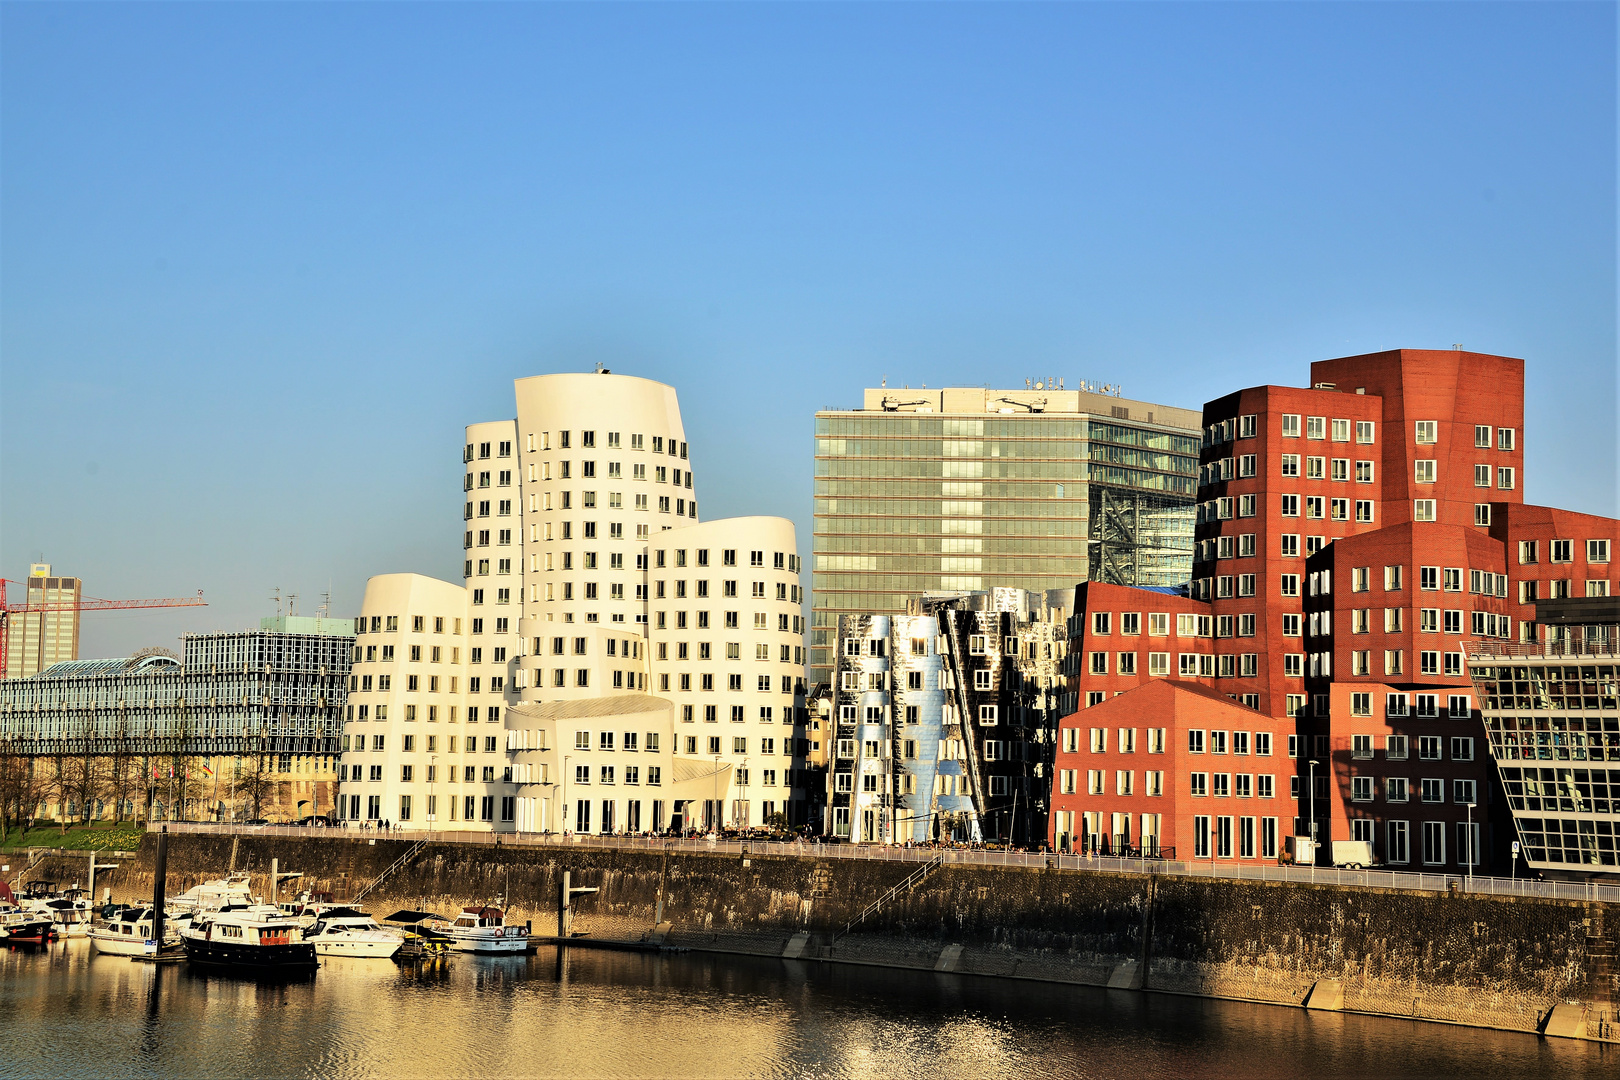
<point>1469,959</point>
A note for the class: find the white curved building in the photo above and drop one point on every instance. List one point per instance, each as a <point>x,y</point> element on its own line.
<point>586,575</point>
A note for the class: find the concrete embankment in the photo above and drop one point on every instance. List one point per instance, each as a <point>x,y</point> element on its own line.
<point>1454,958</point>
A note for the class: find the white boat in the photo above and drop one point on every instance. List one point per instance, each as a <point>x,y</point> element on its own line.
<point>482,930</point>
<point>347,932</point>
<point>69,909</point>
<point>223,892</point>
<point>128,932</point>
<point>253,936</point>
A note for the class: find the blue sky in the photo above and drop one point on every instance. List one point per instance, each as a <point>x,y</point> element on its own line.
<point>260,263</point>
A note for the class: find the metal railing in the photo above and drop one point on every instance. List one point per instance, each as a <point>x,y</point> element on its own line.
<point>960,856</point>
<point>911,881</point>
<point>1544,650</point>
<point>410,854</point>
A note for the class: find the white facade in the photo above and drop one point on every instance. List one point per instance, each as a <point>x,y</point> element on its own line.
<point>586,576</point>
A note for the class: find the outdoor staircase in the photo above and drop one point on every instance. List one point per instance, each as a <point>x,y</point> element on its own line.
<point>911,881</point>
<point>410,853</point>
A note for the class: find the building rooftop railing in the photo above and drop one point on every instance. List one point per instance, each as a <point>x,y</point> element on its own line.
<point>1607,649</point>
<point>1435,882</point>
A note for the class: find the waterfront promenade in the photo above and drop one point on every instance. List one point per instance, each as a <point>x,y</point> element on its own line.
<point>958,856</point>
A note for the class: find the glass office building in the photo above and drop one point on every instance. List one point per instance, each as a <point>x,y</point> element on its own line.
<point>964,490</point>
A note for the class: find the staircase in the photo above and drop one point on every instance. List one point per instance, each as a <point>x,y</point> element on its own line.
<point>911,881</point>
<point>410,853</point>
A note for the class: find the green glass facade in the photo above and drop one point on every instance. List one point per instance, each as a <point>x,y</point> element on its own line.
<point>909,503</point>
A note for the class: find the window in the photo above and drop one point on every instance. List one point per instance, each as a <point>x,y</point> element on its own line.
<point>1199,784</point>
<point>1423,471</point>
<point>1423,510</point>
<point>1560,551</point>
<point>1504,478</point>
<point>1482,513</point>
<point>1426,432</point>
<point>1482,476</point>
<point>1597,551</point>
<point>1290,426</point>
<point>1289,505</point>
<point>1316,427</point>
<point>1504,438</point>
<point>1290,464</point>
<point>1482,436</point>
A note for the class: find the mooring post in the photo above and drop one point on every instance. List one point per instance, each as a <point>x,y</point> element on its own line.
<point>562,907</point>
<point>663,869</point>
<point>159,880</point>
<point>275,877</point>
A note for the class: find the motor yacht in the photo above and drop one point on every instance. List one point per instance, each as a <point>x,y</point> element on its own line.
<point>128,931</point>
<point>249,937</point>
<point>343,931</point>
<point>482,930</point>
<point>232,891</point>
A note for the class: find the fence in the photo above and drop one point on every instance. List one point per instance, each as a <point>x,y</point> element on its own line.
<point>1374,879</point>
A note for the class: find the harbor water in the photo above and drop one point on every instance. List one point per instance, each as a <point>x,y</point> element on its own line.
<point>68,1012</point>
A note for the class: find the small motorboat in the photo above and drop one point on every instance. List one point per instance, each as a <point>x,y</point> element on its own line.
<point>21,926</point>
<point>344,931</point>
<point>69,909</point>
<point>255,937</point>
<point>128,931</point>
<point>482,930</point>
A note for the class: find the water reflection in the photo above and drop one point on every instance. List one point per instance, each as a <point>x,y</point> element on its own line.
<point>69,1012</point>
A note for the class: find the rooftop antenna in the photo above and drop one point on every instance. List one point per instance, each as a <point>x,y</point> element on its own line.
<point>326,602</point>
<point>275,596</point>
<point>292,604</point>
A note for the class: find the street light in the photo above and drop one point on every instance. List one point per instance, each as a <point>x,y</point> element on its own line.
<point>565,792</point>
<point>1311,794</point>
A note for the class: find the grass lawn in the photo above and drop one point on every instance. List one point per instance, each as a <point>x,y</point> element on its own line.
<point>100,836</point>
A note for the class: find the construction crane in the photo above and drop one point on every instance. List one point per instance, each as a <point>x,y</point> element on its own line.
<point>88,603</point>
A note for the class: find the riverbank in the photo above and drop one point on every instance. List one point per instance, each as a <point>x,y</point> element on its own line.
<point>1467,959</point>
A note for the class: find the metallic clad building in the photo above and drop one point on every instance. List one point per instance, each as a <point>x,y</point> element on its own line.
<point>943,719</point>
<point>970,489</point>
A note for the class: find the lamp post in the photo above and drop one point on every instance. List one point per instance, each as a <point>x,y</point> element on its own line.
<point>565,793</point>
<point>1469,836</point>
<point>1311,794</point>
<point>433,799</point>
<point>718,820</point>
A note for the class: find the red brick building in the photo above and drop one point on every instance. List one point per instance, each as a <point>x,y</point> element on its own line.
<point>1175,768</point>
<point>1351,539</point>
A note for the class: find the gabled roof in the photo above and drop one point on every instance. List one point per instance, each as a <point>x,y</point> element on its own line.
<point>1174,692</point>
